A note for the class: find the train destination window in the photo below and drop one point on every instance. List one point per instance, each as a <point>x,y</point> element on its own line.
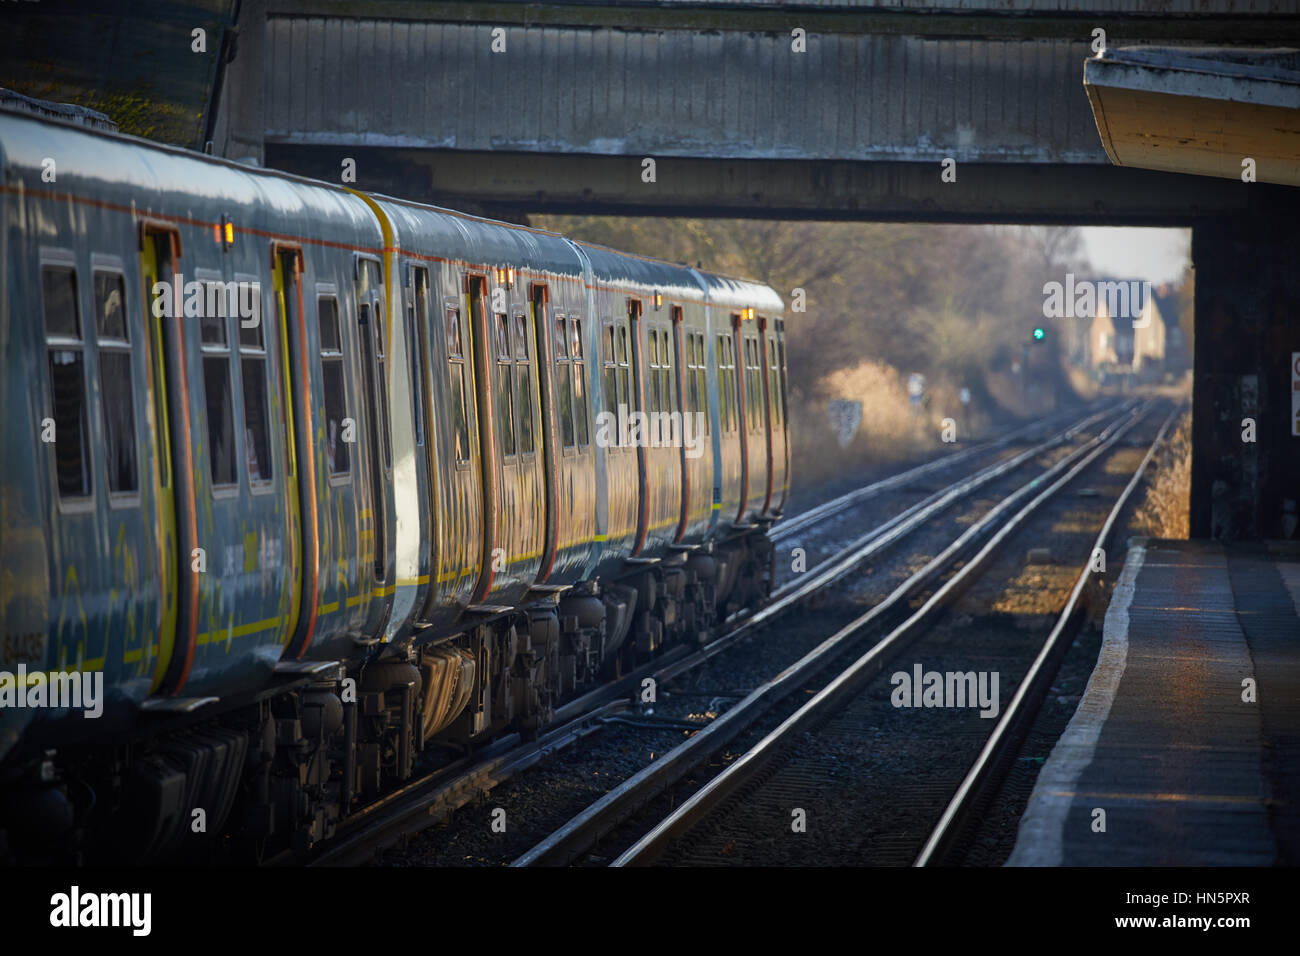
<point>115,381</point>
<point>456,373</point>
<point>252,368</point>
<point>505,388</point>
<point>218,398</point>
<point>332,384</point>
<point>67,380</point>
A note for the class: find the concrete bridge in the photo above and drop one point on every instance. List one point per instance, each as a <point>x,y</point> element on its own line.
<point>815,109</point>
<point>827,109</point>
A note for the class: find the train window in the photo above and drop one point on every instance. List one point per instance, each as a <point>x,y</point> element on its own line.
<point>503,337</point>
<point>461,429</point>
<point>726,384</point>
<point>702,378</point>
<point>692,374</point>
<point>611,369</point>
<point>332,382</point>
<point>252,368</point>
<point>524,386</point>
<point>110,302</point>
<point>453,332</point>
<point>327,312</point>
<point>115,381</point>
<point>624,388</point>
<point>774,383</point>
<point>753,386</point>
<point>376,380</point>
<point>67,380</point>
<point>785,384</point>
<point>652,364</point>
<point>456,373</point>
<point>563,381</point>
<point>212,320</point>
<point>218,394</point>
<point>521,336</point>
<point>561,337</point>
<point>670,378</point>
<point>505,388</point>
<point>417,323</point>
<point>579,385</point>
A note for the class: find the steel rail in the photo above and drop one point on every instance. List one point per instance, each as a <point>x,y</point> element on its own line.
<point>704,800</point>
<point>1024,704</point>
<point>565,843</point>
<point>886,534</point>
<point>409,808</point>
<point>786,529</point>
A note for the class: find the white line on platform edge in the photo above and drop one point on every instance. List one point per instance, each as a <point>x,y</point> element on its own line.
<point>1042,828</point>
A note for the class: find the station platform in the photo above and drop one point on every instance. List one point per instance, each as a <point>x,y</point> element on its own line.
<point>1188,769</point>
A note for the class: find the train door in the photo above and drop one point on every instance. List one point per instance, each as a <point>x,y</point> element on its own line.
<point>371,319</point>
<point>738,393</point>
<point>755,420</point>
<point>638,404</point>
<point>546,430</point>
<point>290,378</point>
<point>780,409</point>
<point>765,389</point>
<point>483,349</point>
<point>169,391</point>
<point>681,371</point>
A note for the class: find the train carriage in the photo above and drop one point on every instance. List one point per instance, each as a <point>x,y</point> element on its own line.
<point>316,479</point>
<point>164,492</point>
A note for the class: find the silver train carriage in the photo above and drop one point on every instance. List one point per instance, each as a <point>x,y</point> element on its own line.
<point>301,481</point>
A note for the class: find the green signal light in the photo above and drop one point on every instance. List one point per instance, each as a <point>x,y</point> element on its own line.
<point>1039,334</point>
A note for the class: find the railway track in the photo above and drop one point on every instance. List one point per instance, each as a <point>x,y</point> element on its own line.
<point>434,797</point>
<point>606,816</point>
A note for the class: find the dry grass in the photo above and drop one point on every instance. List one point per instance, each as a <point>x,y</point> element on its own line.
<point>891,429</point>
<point>1164,513</point>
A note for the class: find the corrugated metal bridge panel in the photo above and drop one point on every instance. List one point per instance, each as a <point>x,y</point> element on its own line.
<point>1162,8</point>
<point>727,95</point>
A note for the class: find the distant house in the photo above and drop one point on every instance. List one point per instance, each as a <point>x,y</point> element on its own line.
<point>1120,344</point>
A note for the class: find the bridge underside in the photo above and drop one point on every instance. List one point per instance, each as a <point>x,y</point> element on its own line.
<point>509,109</point>
<point>510,185</point>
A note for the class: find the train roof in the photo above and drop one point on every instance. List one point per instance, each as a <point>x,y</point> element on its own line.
<point>730,292</point>
<point>446,234</point>
<point>157,180</point>
<point>152,180</point>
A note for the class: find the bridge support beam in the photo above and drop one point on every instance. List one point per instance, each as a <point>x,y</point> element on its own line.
<point>1247,327</point>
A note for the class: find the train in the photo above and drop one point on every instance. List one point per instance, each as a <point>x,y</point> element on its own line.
<point>302,483</point>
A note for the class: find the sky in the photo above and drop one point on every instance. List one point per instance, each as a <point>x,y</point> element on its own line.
<point>1157,255</point>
